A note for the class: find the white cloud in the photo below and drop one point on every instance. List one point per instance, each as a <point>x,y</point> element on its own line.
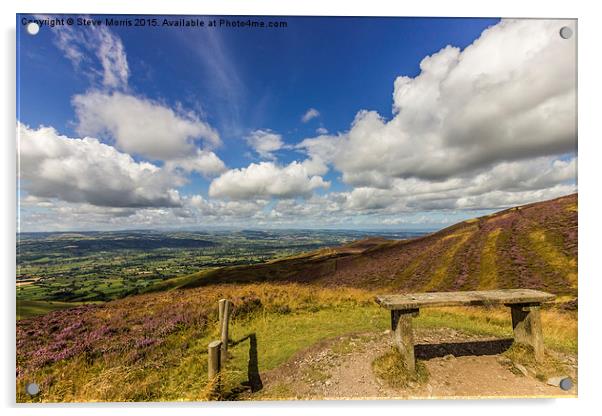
<point>88,171</point>
<point>227,209</point>
<point>506,184</point>
<point>511,95</point>
<point>141,126</point>
<point>266,180</point>
<point>310,114</point>
<point>204,162</point>
<point>321,130</point>
<point>265,143</point>
<point>96,45</point>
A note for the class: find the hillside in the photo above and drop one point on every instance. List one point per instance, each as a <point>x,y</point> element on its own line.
<point>153,346</point>
<point>531,246</point>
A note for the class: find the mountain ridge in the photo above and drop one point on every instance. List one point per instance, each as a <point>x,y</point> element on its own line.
<point>530,246</point>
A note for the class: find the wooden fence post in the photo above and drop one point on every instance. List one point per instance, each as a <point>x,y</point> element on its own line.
<point>221,307</point>
<point>224,328</point>
<point>214,366</point>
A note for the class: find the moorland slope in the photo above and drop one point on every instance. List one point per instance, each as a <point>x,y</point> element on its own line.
<point>530,246</point>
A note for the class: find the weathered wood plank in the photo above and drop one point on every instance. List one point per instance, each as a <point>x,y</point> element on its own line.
<point>467,298</point>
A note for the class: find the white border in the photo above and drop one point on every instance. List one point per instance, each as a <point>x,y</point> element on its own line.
<point>589,188</point>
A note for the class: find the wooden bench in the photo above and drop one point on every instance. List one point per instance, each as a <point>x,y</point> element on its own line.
<point>524,306</point>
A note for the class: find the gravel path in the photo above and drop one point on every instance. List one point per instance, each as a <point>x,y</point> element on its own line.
<point>342,369</point>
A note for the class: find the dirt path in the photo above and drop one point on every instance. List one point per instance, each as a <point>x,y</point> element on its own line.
<point>342,369</point>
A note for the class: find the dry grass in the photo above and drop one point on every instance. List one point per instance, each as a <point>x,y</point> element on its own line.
<point>554,257</point>
<point>549,366</point>
<point>440,273</point>
<point>285,318</point>
<point>390,367</point>
<point>488,272</point>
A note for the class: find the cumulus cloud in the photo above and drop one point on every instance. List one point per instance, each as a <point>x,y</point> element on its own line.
<point>310,114</point>
<point>511,95</point>
<point>88,171</point>
<point>506,184</point>
<point>321,130</point>
<point>265,143</point>
<point>95,50</point>
<point>487,127</point>
<point>141,126</point>
<point>266,180</point>
<point>203,161</point>
<point>227,209</point>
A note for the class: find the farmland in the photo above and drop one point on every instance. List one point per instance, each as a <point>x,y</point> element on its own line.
<point>56,269</point>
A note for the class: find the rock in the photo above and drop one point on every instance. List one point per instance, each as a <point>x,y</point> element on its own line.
<point>504,360</point>
<point>563,382</point>
<point>328,382</point>
<point>387,332</point>
<point>449,357</point>
<point>522,369</point>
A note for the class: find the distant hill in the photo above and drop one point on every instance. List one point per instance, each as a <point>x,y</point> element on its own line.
<point>531,246</point>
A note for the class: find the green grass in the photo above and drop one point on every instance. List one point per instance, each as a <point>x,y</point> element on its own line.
<point>30,308</point>
<point>287,334</point>
<point>289,319</point>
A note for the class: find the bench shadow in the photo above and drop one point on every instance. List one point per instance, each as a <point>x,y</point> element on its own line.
<point>459,349</point>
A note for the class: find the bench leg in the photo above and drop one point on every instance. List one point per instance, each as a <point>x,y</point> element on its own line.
<point>401,324</point>
<point>526,323</point>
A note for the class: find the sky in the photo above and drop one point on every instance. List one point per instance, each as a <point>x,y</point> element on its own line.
<point>321,122</point>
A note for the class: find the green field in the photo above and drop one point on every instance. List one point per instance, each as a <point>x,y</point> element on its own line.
<point>102,266</point>
<point>30,308</point>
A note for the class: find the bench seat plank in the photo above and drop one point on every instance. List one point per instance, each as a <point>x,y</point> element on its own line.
<point>467,298</point>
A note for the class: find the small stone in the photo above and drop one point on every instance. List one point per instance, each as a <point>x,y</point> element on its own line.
<point>563,382</point>
<point>449,357</point>
<point>328,382</point>
<point>504,360</point>
<point>522,369</point>
<point>387,332</point>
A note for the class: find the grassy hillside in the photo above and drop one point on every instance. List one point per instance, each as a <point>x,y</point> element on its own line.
<point>532,246</point>
<point>153,347</point>
<point>30,308</point>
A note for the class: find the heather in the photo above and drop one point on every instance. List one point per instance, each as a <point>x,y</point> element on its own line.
<point>153,346</point>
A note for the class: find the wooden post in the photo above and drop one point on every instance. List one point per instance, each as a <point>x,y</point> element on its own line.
<point>214,365</point>
<point>214,368</point>
<point>221,307</point>
<point>403,336</point>
<point>224,327</point>
<point>526,323</point>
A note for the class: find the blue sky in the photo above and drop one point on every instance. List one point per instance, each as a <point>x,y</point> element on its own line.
<point>242,152</point>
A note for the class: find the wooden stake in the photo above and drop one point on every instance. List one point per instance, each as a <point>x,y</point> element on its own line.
<point>224,327</point>
<point>214,365</point>
<point>221,307</point>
